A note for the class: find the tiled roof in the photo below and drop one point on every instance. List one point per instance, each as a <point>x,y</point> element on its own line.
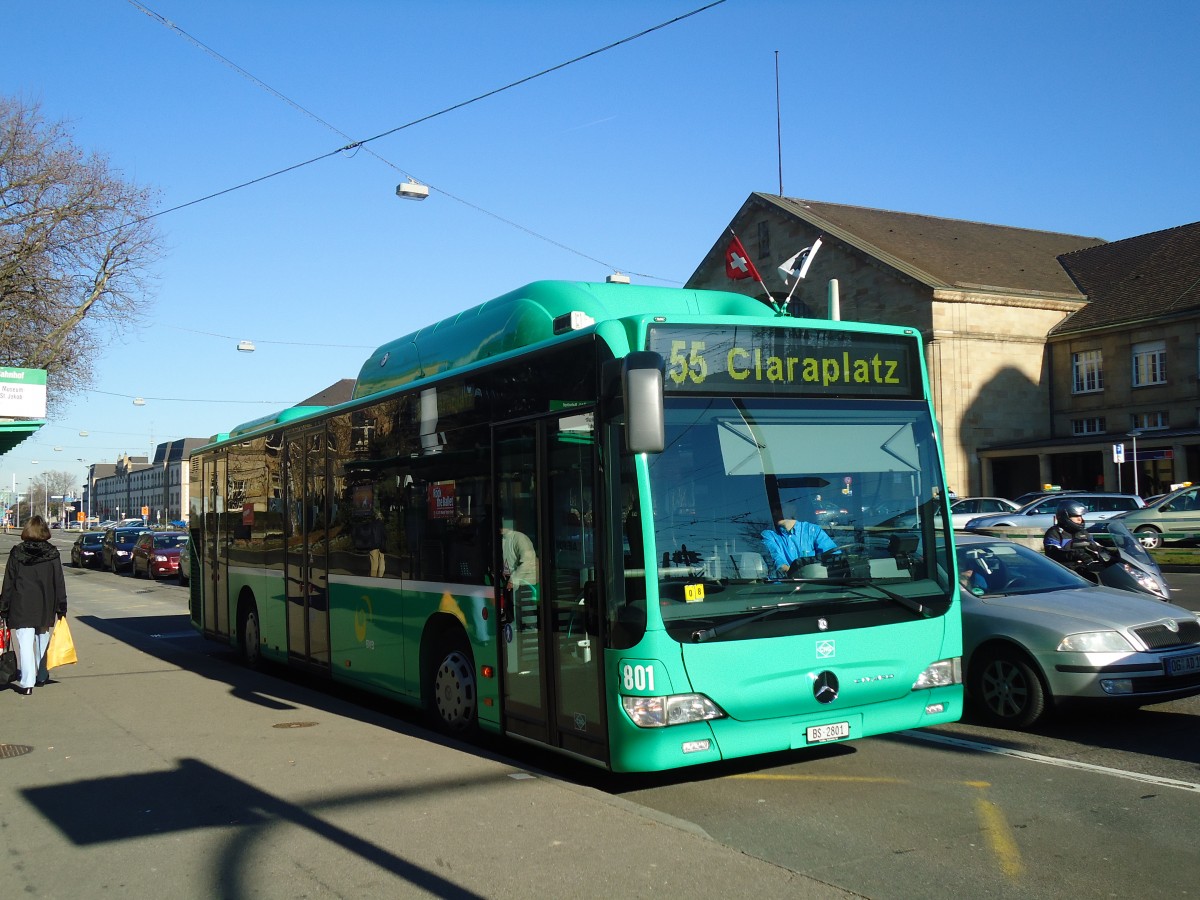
<point>949,253</point>
<point>1141,277</point>
<point>338,392</point>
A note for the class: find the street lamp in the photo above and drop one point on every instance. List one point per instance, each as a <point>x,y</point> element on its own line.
<point>1135,434</point>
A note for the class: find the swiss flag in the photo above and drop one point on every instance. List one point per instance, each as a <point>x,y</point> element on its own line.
<point>737,262</point>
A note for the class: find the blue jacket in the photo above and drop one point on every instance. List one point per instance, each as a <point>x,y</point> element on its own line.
<point>804,541</point>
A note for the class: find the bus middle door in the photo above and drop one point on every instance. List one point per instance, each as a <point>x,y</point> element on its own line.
<point>551,649</point>
<point>307,538</point>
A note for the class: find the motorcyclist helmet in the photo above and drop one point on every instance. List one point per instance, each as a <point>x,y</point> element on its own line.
<point>1066,510</point>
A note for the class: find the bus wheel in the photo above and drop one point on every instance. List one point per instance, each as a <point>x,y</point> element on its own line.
<point>453,686</point>
<point>249,636</point>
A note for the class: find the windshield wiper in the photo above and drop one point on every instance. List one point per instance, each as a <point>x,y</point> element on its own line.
<point>907,602</point>
<point>707,634</point>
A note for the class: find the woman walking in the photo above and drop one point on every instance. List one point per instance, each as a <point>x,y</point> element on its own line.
<point>33,598</point>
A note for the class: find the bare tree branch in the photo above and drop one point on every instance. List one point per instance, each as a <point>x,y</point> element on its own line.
<point>76,250</point>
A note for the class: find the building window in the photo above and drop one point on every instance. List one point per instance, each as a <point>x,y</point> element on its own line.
<point>1093,425</point>
<point>1089,373</point>
<point>1149,363</point>
<point>764,240</point>
<point>1151,421</point>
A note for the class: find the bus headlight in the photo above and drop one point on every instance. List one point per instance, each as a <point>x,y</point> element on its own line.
<point>678,709</point>
<point>942,673</point>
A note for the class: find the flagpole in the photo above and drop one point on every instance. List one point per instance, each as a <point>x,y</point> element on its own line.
<point>753,270</point>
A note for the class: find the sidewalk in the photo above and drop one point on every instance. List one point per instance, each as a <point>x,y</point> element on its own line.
<point>157,767</point>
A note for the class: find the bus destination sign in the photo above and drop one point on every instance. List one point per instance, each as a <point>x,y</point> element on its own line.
<point>804,361</point>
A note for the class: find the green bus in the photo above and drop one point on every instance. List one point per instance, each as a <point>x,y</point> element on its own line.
<point>546,517</point>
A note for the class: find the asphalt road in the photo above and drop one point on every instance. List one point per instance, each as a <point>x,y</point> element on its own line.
<point>1087,805</point>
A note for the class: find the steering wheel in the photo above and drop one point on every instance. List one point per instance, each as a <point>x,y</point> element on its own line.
<point>843,550</point>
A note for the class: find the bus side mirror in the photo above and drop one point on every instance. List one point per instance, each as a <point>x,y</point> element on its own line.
<point>642,389</point>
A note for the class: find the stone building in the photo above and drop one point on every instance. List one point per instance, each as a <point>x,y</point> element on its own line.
<point>984,298</point>
<point>1127,363</point>
<point>160,486</point>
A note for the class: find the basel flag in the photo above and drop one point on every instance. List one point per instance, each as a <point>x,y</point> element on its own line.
<point>737,262</point>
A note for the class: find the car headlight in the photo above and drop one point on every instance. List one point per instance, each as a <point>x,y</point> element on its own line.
<point>1095,642</point>
<point>942,673</point>
<point>677,709</point>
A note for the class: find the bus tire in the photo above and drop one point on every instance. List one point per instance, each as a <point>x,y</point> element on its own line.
<point>453,699</point>
<point>249,635</point>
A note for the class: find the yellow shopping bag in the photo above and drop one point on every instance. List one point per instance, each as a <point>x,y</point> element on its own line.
<point>61,651</point>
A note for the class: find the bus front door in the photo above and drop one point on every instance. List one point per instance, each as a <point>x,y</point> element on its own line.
<point>306,533</point>
<point>551,648</point>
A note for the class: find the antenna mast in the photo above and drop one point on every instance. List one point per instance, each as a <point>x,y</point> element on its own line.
<point>778,128</point>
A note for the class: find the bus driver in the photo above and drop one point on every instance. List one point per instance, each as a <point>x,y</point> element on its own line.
<point>792,544</point>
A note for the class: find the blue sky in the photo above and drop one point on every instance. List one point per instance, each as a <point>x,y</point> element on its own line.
<point>1059,115</point>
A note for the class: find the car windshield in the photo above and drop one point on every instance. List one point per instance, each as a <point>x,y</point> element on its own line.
<point>1004,567</point>
<point>865,474</point>
<point>169,540</point>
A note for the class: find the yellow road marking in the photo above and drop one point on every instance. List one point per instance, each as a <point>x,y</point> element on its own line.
<point>995,827</point>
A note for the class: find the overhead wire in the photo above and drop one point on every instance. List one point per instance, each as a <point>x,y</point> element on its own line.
<point>357,144</point>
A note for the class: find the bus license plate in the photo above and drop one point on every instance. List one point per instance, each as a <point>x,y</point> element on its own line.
<point>819,734</point>
<point>1183,665</point>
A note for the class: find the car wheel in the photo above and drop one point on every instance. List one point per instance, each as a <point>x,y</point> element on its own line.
<point>453,704</point>
<point>1148,536</point>
<point>1006,690</point>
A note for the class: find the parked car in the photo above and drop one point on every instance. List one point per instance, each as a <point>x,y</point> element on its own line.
<point>1038,515</point>
<point>1176,514</point>
<point>967,508</point>
<point>156,553</point>
<point>1030,496</point>
<point>961,511</point>
<point>118,548</point>
<point>1038,638</point>
<point>185,562</point>
<point>88,550</point>
<point>131,523</point>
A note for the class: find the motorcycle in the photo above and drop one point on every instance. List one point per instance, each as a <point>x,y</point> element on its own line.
<point>1122,562</point>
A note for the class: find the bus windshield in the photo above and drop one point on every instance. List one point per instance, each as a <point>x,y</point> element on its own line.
<point>771,514</point>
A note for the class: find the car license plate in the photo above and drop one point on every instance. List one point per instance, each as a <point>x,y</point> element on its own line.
<point>1183,665</point>
<point>835,731</point>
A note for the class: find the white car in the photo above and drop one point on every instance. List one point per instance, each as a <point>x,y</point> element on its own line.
<point>965,509</point>
<point>1038,515</point>
<point>962,511</point>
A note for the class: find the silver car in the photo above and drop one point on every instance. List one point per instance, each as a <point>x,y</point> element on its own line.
<point>1175,516</point>
<point>1037,638</point>
<point>1038,515</point>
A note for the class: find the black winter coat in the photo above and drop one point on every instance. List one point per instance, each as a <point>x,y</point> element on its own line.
<point>34,588</point>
